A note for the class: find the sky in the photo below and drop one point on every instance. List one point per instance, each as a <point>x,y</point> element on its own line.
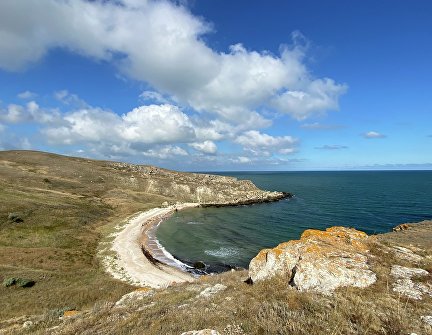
<point>221,85</point>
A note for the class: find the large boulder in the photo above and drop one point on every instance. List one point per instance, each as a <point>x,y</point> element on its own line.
<point>320,261</point>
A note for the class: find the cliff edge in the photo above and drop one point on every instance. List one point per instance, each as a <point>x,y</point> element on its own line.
<point>323,261</point>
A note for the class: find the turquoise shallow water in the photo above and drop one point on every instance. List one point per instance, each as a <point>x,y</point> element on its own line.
<point>372,201</point>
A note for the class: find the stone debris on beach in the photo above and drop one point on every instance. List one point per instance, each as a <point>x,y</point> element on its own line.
<point>209,291</point>
<point>405,285</point>
<point>320,261</point>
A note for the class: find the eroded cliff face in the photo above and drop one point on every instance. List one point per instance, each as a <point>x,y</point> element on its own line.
<point>210,190</point>
<point>321,261</point>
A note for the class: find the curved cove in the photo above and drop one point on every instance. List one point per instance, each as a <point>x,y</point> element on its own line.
<point>372,201</point>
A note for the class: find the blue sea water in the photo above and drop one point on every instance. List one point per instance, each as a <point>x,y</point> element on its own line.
<point>371,201</point>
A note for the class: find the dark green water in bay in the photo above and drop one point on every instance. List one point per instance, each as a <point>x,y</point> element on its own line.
<point>372,201</point>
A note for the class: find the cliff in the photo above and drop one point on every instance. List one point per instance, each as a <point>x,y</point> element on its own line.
<point>206,189</point>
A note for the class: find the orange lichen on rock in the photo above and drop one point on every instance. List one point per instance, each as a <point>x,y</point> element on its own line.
<point>334,233</point>
<point>320,260</point>
<point>143,289</point>
<point>69,314</point>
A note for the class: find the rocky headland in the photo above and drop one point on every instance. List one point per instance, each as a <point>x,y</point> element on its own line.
<point>204,189</point>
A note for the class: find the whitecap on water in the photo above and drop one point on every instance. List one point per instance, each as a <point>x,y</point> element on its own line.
<point>222,252</point>
<point>194,222</point>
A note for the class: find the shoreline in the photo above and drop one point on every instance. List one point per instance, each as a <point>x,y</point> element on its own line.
<point>157,254</point>
<point>154,250</point>
<point>133,264</point>
<point>141,260</point>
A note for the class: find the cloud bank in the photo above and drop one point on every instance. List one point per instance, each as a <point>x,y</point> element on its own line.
<point>162,44</point>
<point>196,97</point>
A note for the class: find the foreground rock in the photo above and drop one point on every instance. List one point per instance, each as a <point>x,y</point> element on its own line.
<point>134,296</point>
<point>209,291</point>
<point>405,284</point>
<point>320,261</point>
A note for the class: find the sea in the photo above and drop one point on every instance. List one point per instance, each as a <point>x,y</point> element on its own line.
<point>229,237</point>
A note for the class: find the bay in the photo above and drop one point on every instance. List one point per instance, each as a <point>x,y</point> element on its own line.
<point>371,201</point>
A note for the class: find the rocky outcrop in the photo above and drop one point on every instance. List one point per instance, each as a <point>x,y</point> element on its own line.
<point>209,291</point>
<point>403,226</point>
<point>134,297</point>
<point>407,254</point>
<point>208,190</point>
<point>321,261</point>
<point>405,284</point>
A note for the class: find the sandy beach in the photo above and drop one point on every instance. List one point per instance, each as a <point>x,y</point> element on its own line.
<point>131,259</point>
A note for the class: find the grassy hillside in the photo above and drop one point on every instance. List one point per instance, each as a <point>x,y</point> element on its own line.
<point>63,204</point>
<point>54,210</point>
<point>271,306</point>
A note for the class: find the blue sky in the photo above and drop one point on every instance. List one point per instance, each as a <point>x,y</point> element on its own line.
<point>220,85</point>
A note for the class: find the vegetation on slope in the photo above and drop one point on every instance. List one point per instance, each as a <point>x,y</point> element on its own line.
<point>54,211</point>
<point>270,306</point>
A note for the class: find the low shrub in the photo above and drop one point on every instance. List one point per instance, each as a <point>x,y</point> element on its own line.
<point>15,217</point>
<point>9,282</point>
<point>21,282</point>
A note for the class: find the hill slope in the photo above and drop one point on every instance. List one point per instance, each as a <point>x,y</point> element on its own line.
<point>55,209</point>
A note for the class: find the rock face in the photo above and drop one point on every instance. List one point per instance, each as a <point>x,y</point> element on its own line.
<point>405,284</point>
<point>403,226</point>
<point>208,190</point>
<point>321,261</point>
<point>133,297</point>
<point>209,291</point>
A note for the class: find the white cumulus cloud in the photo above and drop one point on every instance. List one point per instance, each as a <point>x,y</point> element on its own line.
<point>373,134</point>
<point>145,125</point>
<point>161,43</point>
<point>156,124</point>
<point>260,143</point>
<point>208,147</point>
